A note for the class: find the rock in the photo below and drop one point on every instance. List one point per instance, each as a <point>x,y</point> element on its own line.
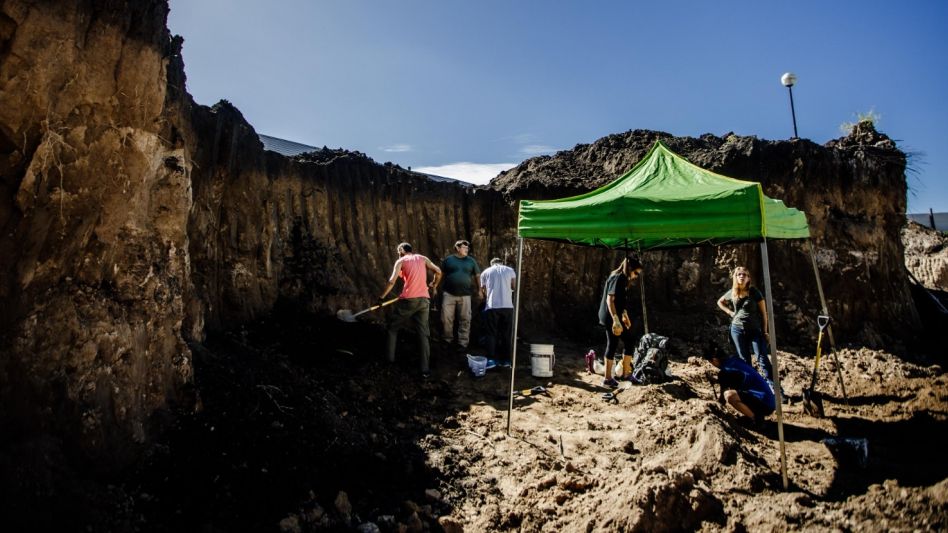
<point>547,483</point>
<point>414,523</point>
<point>342,504</point>
<point>314,515</point>
<point>433,495</point>
<point>450,524</point>
<point>290,524</point>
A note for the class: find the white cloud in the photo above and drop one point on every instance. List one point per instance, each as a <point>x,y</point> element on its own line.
<point>396,148</point>
<point>520,138</point>
<point>536,149</point>
<point>477,173</point>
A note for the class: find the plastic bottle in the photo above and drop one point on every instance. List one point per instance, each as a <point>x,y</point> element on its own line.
<point>590,357</point>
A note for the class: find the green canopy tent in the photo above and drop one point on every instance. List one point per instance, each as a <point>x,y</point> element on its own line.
<point>664,202</point>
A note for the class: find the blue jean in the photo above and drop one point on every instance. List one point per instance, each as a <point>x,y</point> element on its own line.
<point>753,340</point>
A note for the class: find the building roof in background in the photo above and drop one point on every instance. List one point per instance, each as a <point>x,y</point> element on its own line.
<point>284,147</point>
<point>290,149</point>
<point>941,220</point>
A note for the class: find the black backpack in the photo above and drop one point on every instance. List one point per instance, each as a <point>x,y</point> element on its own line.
<point>651,360</point>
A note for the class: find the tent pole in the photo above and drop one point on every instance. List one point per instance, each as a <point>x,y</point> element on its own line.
<point>642,292</point>
<point>829,327</point>
<point>774,360</point>
<point>513,339</point>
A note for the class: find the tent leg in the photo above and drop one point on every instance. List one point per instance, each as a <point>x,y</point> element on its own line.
<point>642,294</point>
<point>829,328</point>
<point>513,340</point>
<point>774,360</point>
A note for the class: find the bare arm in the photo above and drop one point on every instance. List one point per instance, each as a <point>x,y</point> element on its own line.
<point>437,274</point>
<point>392,279</point>
<point>616,321</point>
<point>763,315</point>
<point>722,303</point>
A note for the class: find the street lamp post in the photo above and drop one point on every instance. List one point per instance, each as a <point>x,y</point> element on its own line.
<point>788,79</point>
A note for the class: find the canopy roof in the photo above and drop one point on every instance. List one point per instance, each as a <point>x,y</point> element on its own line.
<point>663,202</point>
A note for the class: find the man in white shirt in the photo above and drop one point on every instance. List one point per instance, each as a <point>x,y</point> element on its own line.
<point>497,285</point>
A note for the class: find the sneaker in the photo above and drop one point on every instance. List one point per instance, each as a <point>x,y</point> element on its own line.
<point>610,383</point>
<point>783,393</point>
<point>747,422</point>
<point>426,375</point>
<point>753,424</point>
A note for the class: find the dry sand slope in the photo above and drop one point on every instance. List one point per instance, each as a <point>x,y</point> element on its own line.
<point>668,457</point>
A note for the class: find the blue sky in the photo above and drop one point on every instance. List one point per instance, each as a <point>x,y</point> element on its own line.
<point>468,88</point>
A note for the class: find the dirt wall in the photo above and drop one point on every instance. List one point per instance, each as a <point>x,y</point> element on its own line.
<point>852,191</point>
<point>135,220</point>
<point>318,232</point>
<point>94,243</point>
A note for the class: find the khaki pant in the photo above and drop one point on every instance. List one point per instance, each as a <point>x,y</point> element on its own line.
<point>452,305</point>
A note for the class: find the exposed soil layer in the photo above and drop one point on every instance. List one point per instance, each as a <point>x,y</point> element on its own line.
<point>303,426</point>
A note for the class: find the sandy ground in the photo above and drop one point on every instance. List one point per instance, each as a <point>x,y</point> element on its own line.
<point>669,457</point>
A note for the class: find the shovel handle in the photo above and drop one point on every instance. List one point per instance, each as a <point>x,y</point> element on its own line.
<point>374,307</point>
<point>822,321</point>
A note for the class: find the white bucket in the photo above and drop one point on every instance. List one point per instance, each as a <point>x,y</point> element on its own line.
<point>477,364</point>
<point>542,359</point>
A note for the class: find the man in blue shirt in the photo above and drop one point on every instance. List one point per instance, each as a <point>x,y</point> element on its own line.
<point>741,386</point>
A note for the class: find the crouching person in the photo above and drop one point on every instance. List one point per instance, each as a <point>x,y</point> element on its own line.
<point>741,386</point>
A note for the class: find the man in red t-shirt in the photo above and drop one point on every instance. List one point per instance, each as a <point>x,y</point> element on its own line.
<point>413,301</point>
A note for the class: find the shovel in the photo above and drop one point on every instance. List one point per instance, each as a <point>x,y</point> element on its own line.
<point>539,389</point>
<point>612,397</point>
<point>812,400</point>
<point>346,315</point>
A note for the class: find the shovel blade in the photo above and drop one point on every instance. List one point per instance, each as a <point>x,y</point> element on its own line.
<point>345,315</point>
<point>813,403</point>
